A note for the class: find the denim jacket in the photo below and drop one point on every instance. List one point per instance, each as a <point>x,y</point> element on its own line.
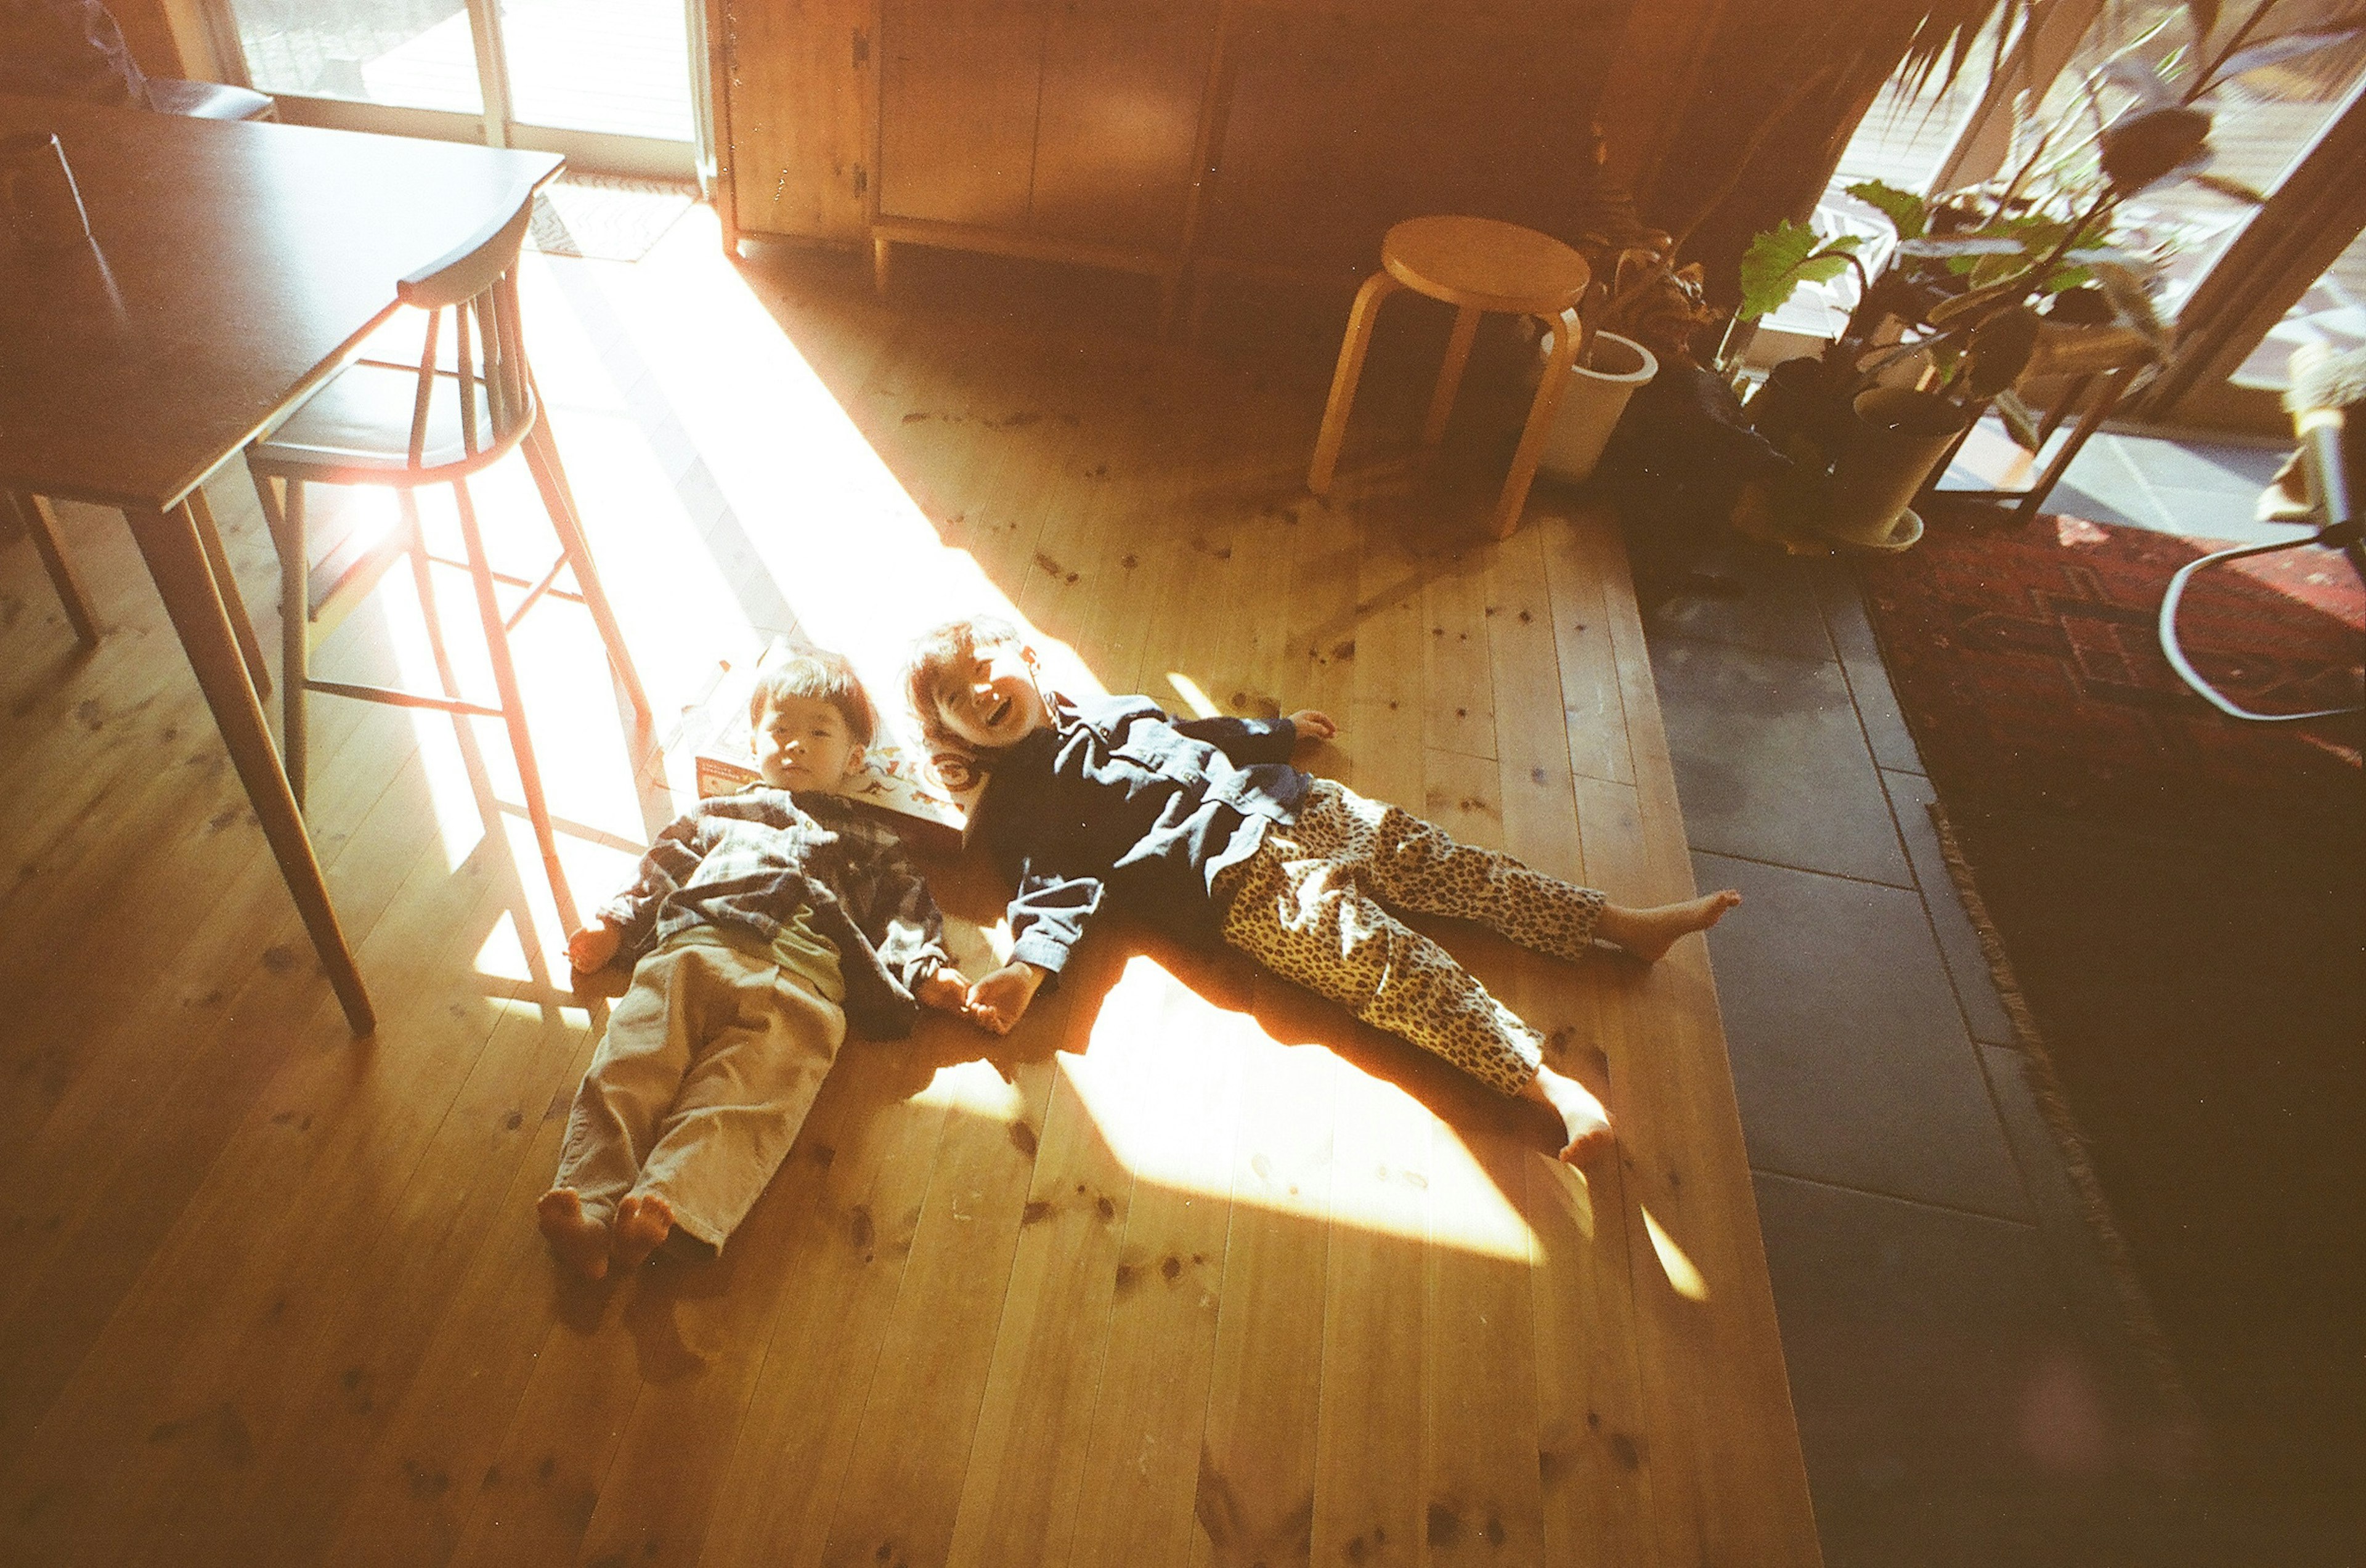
<point>1114,799</point>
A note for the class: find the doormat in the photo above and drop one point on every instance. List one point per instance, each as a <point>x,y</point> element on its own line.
<point>606,216</point>
<point>2182,898</point>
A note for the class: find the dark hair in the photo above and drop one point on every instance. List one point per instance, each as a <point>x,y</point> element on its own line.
<point>938,652</point>
<point>818,675</point>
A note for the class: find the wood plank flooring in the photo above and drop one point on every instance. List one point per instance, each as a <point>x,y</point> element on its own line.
<point>1189,1270</point>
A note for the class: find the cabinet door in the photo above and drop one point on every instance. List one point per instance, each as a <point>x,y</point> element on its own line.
<point>1122,82</point>
<point>959,81</point>
<point>798,115</point>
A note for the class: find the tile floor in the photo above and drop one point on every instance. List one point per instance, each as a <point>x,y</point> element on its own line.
<point>1966,1391</point>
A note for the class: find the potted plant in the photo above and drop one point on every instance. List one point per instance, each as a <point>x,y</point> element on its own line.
<point>1990,284</point>
<point>1641,309</point>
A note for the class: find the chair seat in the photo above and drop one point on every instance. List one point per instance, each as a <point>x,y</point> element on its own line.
<point>359,426</point>
<point>207,100</point>
<point>1483,262</point>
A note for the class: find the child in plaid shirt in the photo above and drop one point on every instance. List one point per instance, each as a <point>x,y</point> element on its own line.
<point>763,923</point>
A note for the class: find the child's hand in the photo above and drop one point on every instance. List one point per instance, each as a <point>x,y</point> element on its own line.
<point>1314,723</point>
<point>589,949</point>
<point>944,988</point>
<point>998,1001</point>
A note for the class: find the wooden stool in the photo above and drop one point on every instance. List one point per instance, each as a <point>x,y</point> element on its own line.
<point>1475,265</point>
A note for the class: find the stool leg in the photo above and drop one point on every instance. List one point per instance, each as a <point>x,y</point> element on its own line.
<point>1541,417</point>
<point>1376,288</point>
<point>1449,374</point>
<point>497,645</point>
<point>881,250</point>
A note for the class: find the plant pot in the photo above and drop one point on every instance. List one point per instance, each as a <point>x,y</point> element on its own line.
<point>1591,405</point>
<point>1798,403</point>
<point>1899,437</point>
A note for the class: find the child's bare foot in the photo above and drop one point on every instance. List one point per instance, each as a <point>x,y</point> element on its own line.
<point>1649,934</point>
<point>642,1224</point>
<point>1585,1124</point>
<point>581,1241</point>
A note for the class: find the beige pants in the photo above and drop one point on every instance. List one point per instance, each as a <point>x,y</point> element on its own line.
<point>711,1061</point>
<point>1308,905</point>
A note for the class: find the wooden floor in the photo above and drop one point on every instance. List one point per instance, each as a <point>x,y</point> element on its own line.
<point>1189,1270</point>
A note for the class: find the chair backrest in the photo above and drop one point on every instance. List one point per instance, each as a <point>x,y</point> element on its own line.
<point>67,48</point>
<point>477,282</point>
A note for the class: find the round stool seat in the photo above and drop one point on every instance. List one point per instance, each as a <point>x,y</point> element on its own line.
<point>1485,265</point>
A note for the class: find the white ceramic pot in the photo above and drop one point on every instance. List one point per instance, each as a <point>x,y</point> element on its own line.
<point>1592,402</point>
<point>1900,436</point>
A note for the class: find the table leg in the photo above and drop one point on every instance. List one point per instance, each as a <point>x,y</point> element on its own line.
<point>43,525</point>
<point>168,541</point>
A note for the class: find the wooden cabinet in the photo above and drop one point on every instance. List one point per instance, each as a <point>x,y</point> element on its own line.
<point>1056,127</point>
<point>795,100</point>
<point>1277,137</point>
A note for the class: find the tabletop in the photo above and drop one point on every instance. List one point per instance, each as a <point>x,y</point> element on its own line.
<point>234,266</point>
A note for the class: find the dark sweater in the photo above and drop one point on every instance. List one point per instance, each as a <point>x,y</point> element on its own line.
<point>1115,801</point>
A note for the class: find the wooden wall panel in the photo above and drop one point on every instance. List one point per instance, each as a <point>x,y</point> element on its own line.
<point>801,86</point>
<point>959,85</point>
<point>1337,123</point>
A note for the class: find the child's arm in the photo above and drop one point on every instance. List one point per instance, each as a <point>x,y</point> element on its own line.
<point>625,922</point>
<point>909,931</point>
<point>1048,917</point>
<point>1248,740</point>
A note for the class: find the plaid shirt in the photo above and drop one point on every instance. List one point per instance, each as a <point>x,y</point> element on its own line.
<point>752,860</point>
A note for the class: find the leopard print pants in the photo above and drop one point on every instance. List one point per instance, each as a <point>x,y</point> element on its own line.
<point>1309,906</point>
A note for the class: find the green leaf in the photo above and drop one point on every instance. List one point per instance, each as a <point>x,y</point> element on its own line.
<point>1999,351</point>
<point>1781,258</point>
<point>2018,419</point>
<point>1965,245</point>
<point>1906,212</point>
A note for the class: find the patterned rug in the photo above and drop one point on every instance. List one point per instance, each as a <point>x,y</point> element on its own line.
<point>2180,898</point>
<point>606,216</point>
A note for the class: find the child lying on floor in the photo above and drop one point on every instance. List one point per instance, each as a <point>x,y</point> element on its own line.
<point>1203,828</point>
<point>764,922</point>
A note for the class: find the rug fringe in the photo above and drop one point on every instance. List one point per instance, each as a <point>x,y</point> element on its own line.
<point>2135,1304</point>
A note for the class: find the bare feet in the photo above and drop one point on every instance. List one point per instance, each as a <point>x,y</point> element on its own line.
<point>1649,934</point>
<point>581,1241</point>
<point>642,1224</point>
<point>1584,1124</point>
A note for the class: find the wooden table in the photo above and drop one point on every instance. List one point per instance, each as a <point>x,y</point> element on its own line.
<point>233,268</point>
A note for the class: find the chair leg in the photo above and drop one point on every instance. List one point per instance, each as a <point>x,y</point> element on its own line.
<point>1541,417</point>
<point>422,579</point>
<point>1449,374</point>
<point>249,646</point>
<point>43,525</point>
<point>2097,410</point>
<point>497,645</point>
<point>559,500</point>
<point>1376,288</point>
<point>287,526</point>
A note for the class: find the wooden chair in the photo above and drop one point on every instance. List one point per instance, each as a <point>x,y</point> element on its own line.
<point>405,425</point>
<point>1476,264</point>
<point>2329,417</point>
